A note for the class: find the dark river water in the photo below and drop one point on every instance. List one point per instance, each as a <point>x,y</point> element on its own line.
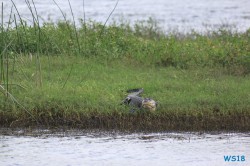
<point>181,15</point>
<point>45,147</point>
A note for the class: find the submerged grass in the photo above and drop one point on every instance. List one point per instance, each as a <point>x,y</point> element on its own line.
<point>59,74</point>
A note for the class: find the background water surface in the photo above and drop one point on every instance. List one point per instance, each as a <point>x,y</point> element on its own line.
<point>182,15</point>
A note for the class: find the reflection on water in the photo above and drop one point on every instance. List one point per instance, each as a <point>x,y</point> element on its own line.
<point>173,14</point>
<point>45,147</point>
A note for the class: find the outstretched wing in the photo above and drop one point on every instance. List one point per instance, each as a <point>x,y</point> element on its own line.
<point>135,92</point>
<point>133,98</point>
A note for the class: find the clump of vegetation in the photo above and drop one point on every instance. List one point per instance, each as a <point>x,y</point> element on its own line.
<point>145,46</point>
<point>60,74</point>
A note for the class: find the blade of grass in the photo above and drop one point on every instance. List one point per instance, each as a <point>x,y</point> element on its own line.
<point>2,55</point>
<point>7,73</point>
<point>9,21</point>
<point>19,37</point>
<point>38,45</point>
<point>35,21</point>
<point>74,23</point>
<point>84,23</point>
<point>104,25</point>
<point>21,21</point>
<point>66,22</point>
<point>16,101</point>
<point>68,76</point>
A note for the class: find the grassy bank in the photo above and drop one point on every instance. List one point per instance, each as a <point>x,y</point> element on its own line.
<point>86,92</point>
<point>57,74</point>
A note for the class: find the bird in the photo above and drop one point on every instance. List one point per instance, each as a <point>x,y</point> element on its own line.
<point>135,101</point>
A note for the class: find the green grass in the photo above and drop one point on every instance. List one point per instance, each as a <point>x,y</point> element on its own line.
<point>57,74</point>
<point>93,86</point>
<point>101,85</point>
<point>143,43</point>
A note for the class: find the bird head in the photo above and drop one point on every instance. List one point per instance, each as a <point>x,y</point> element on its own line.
<point>149,104</point>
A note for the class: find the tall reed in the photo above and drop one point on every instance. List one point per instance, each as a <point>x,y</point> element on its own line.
<point>74,25</point>
<point>104,25</point>
<point>22,24</point>
<point>67,25</point>
<point>6,44</point>
<point>1,55</point>
<point>84,24</point>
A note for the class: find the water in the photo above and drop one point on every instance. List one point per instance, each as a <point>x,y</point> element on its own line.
<point>182,15</point>
<point>45,147</point>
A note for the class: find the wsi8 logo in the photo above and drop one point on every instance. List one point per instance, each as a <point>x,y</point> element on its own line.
<point>238,158</point>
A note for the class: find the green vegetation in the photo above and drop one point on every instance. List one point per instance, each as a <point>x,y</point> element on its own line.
<point>56,74</point>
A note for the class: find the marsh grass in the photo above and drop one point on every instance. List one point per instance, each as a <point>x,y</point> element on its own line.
<point>222,48</point>
<point>59,74</point>
<point>188,98</point>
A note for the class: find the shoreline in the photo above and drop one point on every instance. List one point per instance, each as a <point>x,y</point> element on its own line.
<point>138,122</point>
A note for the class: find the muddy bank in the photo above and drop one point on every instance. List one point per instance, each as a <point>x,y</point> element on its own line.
<point>161,121</point>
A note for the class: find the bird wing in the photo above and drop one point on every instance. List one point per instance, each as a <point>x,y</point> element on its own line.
<point>135,92</point>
